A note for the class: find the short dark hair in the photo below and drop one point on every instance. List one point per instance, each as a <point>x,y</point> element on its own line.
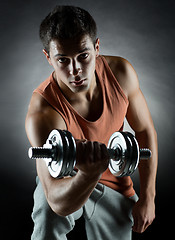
<point>67,22</point>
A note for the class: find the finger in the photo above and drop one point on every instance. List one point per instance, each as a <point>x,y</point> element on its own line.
<point>135,225</point>
<point>148,223</point>
<point>140,226</point>
<point>80,141</point>
<point>104,152</point>
<point>89,151</point>
<point>97,151</point>
<point>80,151</point>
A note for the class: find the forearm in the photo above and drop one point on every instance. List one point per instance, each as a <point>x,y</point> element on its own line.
<point>67,195</point>
<point>148,168</point>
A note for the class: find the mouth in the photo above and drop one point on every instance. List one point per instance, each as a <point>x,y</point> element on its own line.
<point>78,83</point>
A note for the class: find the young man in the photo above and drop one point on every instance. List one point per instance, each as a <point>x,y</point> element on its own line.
<point>88,95</point>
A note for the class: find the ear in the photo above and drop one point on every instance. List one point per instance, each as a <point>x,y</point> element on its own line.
<point>47,56</point>
<point>97,47</point>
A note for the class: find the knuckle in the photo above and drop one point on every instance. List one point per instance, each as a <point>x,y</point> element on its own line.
<point>150,221</point>
<point>88,148</point>
<point>103,148</point>
<point>104,151</point>
<point>96,146</point>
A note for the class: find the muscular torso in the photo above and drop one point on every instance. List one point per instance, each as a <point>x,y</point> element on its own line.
<point>90,109</point>
<point>42,118</point>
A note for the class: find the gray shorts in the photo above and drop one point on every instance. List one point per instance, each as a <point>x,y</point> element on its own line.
<point>107,215</point>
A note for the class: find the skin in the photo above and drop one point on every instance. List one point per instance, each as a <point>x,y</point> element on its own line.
<point>74,60</point>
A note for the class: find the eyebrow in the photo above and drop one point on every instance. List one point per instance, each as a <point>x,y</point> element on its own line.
<point>64,55</point>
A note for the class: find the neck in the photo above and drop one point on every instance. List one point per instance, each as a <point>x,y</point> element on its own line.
<point>92,89</point>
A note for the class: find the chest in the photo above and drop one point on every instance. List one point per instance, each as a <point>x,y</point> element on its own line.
<point>90,110</point>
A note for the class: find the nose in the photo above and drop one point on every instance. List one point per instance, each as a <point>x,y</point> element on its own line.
<point>75,69</point>
<point>76,72</point>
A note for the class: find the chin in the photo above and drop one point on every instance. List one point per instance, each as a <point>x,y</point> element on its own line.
<point>83,88</point>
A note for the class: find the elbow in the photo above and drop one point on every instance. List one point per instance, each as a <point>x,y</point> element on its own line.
<point>60,212</point>
<point>56,208</point>
<point>60,209</point>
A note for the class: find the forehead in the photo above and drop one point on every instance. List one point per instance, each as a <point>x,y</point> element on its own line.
<point>72,46</point>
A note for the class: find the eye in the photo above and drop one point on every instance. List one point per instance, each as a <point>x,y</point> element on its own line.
<point>84,55</point>
<point>62,60</point>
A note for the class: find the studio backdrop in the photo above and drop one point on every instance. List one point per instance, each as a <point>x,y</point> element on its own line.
<point>143,32</point>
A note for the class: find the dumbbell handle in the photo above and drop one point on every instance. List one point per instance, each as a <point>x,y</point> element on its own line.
<point>145,153</point>
<point>115,154</point>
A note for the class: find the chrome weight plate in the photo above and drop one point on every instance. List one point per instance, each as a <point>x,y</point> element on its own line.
<point>71,153</point>
<point>117,167</point>
<point>124,165</point>
<point>134,160</point>
<point>56,167</point>
<point>127,155</point>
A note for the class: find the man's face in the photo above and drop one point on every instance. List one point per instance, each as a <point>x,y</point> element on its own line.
<point>74,62</point>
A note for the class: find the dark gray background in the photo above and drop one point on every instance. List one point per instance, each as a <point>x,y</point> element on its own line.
<point>142,32</point>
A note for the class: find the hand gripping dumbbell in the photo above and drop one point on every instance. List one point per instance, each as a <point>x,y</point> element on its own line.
<point>59,153</point>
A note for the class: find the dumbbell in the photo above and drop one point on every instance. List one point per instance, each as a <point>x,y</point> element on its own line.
<point>59,153</point>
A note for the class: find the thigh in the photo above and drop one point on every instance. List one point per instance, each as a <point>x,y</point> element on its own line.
<point>47,224</point>
<point>110,215</point>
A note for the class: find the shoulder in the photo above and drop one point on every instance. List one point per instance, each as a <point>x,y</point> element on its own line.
<point>124,73</point>
<point>41,119</point>
<point>116,62</point>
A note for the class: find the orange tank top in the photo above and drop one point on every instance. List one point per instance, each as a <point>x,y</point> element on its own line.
<point>115,105</point>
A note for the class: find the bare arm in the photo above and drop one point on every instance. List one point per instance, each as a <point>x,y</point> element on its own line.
<point>65,195</point>
<point>140,120</point>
